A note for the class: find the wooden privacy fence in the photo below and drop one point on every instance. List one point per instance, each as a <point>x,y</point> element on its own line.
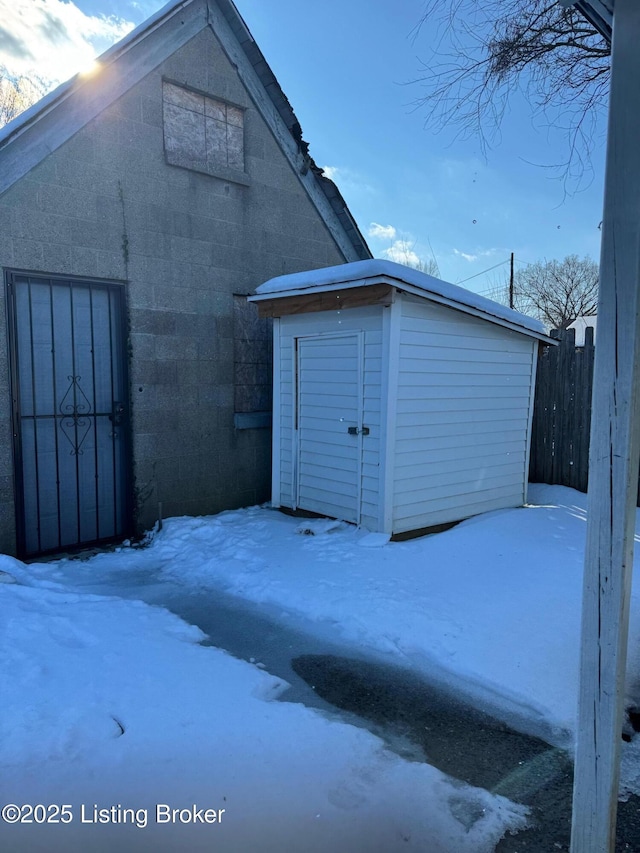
<point>562,412</point>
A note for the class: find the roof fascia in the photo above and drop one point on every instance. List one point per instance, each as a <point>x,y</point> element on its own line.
<point>414,291</point>
<point>271,115</point>
<point>474,312</point>
<point>283,106</point>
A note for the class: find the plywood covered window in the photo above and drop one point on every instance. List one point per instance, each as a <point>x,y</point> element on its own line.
<point>202,133</point>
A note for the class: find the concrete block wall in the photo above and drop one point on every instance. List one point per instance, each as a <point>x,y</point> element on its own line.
<point>107,205</point>
<point>253,358</point>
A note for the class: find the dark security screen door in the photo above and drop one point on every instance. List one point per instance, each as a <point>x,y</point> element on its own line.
<point>70,405</point>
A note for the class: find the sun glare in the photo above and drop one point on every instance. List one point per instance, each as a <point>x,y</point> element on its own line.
<point>90,68</point>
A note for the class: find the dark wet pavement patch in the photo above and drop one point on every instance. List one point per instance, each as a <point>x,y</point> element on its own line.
<point>419,721</point>
<point>466,743</point>
<point>453,736</point>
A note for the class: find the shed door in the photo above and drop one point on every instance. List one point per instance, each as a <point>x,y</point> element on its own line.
<point>69,406</point>
<point>329,420</point>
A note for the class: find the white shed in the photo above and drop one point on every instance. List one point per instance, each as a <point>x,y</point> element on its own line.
<point>401,402</point>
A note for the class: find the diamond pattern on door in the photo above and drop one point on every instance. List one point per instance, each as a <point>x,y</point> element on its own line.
<point>69,380</point>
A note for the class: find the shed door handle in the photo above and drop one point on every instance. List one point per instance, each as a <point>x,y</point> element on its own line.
<point>356,431</point>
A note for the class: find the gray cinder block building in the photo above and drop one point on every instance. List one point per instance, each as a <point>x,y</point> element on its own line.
<point>139,205</point>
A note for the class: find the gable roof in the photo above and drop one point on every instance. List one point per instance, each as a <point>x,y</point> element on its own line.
<point>406,279</point>
<point>45,126</point>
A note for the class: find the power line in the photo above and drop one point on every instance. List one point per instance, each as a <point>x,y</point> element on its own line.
<point>495,266</point>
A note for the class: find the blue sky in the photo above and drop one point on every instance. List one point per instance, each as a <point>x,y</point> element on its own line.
<point>347,66</point>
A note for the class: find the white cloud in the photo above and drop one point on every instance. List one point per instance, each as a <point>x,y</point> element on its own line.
<point>466,256</point>
<point>402,253</point>
<point>347,180</point>
<point>384,232</point>
<point>479,253</point>
<point>53,39</point>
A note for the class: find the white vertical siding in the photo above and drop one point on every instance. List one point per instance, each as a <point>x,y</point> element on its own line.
<point>369,321</point>
<point>462,416</point>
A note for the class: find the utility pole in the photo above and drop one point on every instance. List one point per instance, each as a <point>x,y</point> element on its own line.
<point>511,283</point>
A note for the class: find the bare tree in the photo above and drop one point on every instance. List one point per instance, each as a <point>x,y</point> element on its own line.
<point>555,292</point>
<point>489,49</point>
<point>409,259</point>
<point>428,266</point>
<point>402,251</point>
<point>17,93</point>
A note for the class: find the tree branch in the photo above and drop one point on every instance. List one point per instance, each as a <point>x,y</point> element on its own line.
<point>488,49</point>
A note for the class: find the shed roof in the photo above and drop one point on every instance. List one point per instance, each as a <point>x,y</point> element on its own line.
<point>377,271</point>
<point>29,138</point>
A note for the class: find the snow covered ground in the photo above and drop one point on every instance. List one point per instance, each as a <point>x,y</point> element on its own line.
<point>109,702</point>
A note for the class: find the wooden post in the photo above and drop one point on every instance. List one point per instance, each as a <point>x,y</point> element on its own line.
<point>613,459</point>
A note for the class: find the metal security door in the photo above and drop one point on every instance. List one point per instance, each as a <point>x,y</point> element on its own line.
<point>70,397</point>
<point>329,420</point>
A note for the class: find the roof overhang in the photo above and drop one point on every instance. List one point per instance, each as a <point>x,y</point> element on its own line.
<point>440,292</point>
<point>599,13</point>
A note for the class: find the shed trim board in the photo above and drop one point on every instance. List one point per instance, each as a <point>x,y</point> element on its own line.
<point>391,357</point>
<point>445,395</point>
<point>276,408</point>
<point>534,371</point>
<point>305,302</point>
<point>295,450</point>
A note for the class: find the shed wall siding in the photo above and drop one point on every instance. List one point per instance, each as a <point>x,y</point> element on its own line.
<point>369,321</point>
<point>463,409</point>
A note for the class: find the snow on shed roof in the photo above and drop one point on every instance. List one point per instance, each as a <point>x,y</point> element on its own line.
<point>362,273</point>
